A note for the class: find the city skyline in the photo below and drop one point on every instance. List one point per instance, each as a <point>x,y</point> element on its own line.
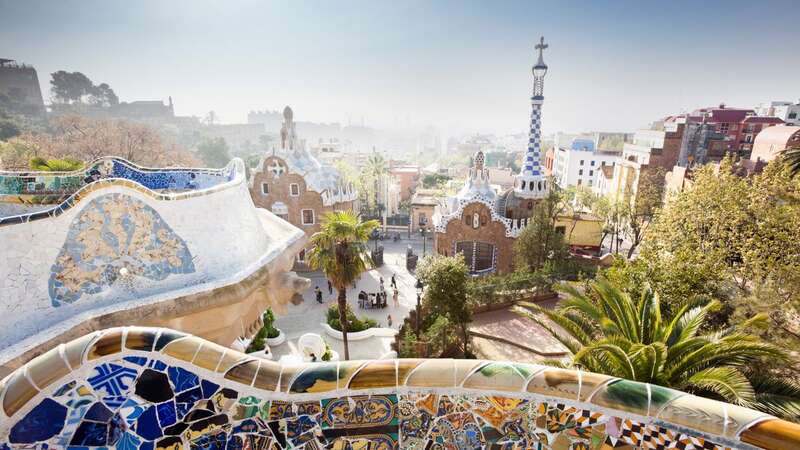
<point>612,67</point>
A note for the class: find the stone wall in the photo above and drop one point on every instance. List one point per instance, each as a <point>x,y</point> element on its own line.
<point>143,388</point>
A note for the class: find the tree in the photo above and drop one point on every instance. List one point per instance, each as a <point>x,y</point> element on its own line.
<point>70,87</point>
<point>375,169</point>
<point>214,152</point>
<point>609,331</point>
<point>340,250</point>
<point>649,198</point>
<point>434,181</point>
<point>540,243</point>
<point>791,157</point>
<point>103,95</point>
<point>84,139</point>
<point>8,128</point>
<point>445,280</point>
<point>613,212</point>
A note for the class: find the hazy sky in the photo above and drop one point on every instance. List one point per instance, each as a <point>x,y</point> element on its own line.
<point>459,65</point>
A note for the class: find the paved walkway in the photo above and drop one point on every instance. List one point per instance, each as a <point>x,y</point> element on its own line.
<point>505,335</point>
<point>306,317</point>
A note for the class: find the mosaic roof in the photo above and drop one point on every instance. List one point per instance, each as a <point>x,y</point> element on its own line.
<point>146,388</point>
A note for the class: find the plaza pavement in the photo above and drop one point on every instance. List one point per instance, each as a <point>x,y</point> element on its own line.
<point>306,317</point>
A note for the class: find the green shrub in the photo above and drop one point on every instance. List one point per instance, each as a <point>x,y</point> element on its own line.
<point>354,323</point>
<point>267,331</point>
<point>258,343</point>
<point>328,353</point>
<point>269,324</point>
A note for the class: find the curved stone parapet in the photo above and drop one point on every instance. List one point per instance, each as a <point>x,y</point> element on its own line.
<point>146,388</point>
<point>49,194</point>
<point>183,248</point>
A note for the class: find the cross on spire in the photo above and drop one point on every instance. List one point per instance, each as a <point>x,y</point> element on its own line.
<point>541,46</point>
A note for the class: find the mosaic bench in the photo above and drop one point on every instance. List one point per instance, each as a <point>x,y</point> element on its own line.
<point>147,388</point>
<point>61,190</point>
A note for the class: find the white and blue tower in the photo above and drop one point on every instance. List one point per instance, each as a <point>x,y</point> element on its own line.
<point>531,182</point>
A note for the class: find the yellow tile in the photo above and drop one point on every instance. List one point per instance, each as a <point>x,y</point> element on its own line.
<point>376,374</point>
<point>74,350</point>
<point>183,348</point>
<point>774,434</point>
<point>108,344</point>
<point>243,372</point>
<point>18,392</point>
<point>433,373</point>
<point>47,368</point>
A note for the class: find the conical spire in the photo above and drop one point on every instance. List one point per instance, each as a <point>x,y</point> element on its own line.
<point>531,183</point>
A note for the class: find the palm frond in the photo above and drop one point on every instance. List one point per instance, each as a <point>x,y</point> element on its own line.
<point>727,382</point>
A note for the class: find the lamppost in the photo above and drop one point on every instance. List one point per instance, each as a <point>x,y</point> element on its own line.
<point>420,287</point>
<point>424,240</point>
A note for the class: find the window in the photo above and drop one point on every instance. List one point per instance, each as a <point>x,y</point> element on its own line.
<point>307,216</point>
<point>581,162</point>
<point>591,163</point>
<point>264,189</point>
<point>468,219</point>
<point>724,127</point>
<point>580,181</point>
<point>423,220</point>
<point>591,173</point>
<point>580,172</point>
<point>792,115</point>
<point>478,255</point>
<point>294,189</point>
<point>602,163</point>
<point>561,230</point>
<point>591,182</point>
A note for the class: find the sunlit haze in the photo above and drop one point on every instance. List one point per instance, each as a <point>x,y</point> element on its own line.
<point>460,66</point>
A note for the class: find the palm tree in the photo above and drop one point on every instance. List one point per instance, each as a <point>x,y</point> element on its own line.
<point>376,168</point>
<point>340,250</point>
<point>609,332</point>
<point>791,157</point>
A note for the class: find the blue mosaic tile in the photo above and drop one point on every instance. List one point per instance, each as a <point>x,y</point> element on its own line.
<point>41,423</point>
<point>166,414</point>
<point>147,424</point>
<point>182,379</point>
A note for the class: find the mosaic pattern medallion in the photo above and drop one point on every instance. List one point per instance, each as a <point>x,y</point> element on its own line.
<point>115,236</point>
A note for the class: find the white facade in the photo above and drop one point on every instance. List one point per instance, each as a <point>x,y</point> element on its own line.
<point>787,111</point>
<point>579,164</point>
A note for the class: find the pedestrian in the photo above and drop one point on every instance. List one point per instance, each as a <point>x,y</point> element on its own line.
<point>319,294</point>
<point>396,297</point>
<point>389,320</point>
<point>381,283</point>
<point>394,282</point>
<point>330,288</point>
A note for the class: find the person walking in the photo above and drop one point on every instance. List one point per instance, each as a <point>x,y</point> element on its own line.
<point>330,288</point>
<point>319,294</point>
<point>389,320</point>
<point>396,297</point>
<point>394,282</point>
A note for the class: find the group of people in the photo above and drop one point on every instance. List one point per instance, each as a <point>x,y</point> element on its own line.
<point>381,294</point>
